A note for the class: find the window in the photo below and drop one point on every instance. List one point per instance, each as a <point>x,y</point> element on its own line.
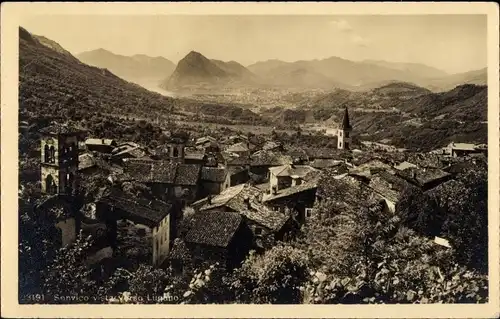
<point>258,231</point>
<point>52,154</point>
<point>309,212</point>
<point>346,144</point>
<point>340,144</point>
<point>347,134</point>
<point>340,133</point>
<point>46,153</point>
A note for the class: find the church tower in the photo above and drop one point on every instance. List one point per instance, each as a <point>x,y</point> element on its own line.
<point>59,162</point>
<point>344,133</point>
<point>176,147</point>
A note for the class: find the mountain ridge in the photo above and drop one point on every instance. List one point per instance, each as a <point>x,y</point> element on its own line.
<point>132,68</point>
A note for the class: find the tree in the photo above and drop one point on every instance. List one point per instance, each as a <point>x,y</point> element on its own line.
<point>69,275</point>
<point>274,277</point>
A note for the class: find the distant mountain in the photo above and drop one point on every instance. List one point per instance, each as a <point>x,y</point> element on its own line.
<point>404,114</point>
<point>132,68</point>
<point>195,69</point>
<point>338,72</point>
<point>417,69</point>
<point>359,76</point>
<point>477,77</point>
<point>52,82</point>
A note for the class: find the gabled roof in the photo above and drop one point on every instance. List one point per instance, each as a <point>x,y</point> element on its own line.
<point>232,197</point>
<point>291,170</point>
<point>205,139</point>
<point>180,251</point>
<point>463,146</point>
<point>238,147</point>
<point>213,228</point>
<point>85,161</point>
<point>100,141</point>
<point>388,185</point>
<point>325,153</point>
<point>187,174</point>
<point>264,216</point>
<point>290,191</point>
<point>194,156</point>
<point>151,171</point>
<point>214,174</point>
<point>404,165</point>
<point>149,213</point>
<point>422,177</point>
<point>270,145</point>
<point>324,163</point>
<point>269,158</point>
<point>61,129</point>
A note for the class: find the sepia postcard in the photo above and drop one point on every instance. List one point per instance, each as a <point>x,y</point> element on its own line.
<point>250,160</point>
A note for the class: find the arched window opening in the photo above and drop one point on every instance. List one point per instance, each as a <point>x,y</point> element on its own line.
<point>50,185</point>
<point>52,154</point>
<point>46,153</point>
<point>69,182</point>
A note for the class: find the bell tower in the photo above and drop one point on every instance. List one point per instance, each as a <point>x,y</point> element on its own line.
<point>59,162</point>
<point>176,147</point>
<point>344,132</point>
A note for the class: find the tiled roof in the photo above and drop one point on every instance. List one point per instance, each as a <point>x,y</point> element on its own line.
<point>238,147</point>
<point>307,186</point>
<point>422,177</point>
<point>142,211</point>
<point>324,163</point>
<point>205,139</point>
<point>100,141</point>
<point>326,153</point>
<point>268,158</point>
<point>61,129</point>
<point>85,161</point>
<point>187,174</point>
<point>290,170</point>
<point>194,156</point>
<point>180,251</point>
<point>297,154</point>
<point>150,171</point>
<point>213,174</point>
<point>264,216</point>
<point>404,165</point>
<point>388,185</point>
<point>463,146</point>
<point>232,197</point>
<point>134,150</point>
<point>344,190</point>
<point>270,145</point>
<point>235,160</point>
<point>213,228</point>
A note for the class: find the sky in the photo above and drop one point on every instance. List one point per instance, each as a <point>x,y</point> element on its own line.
<point>452,43</point>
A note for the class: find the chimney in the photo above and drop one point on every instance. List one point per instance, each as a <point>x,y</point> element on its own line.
<point>246,200</point>
<point>275,190</point>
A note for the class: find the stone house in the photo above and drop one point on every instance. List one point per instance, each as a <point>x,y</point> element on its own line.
<point>214,180</point>
<point>211,237</point>
<point>154,216</point>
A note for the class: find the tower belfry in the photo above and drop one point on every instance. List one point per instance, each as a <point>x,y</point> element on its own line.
<point>59,162</point>
<point>344,132</point>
